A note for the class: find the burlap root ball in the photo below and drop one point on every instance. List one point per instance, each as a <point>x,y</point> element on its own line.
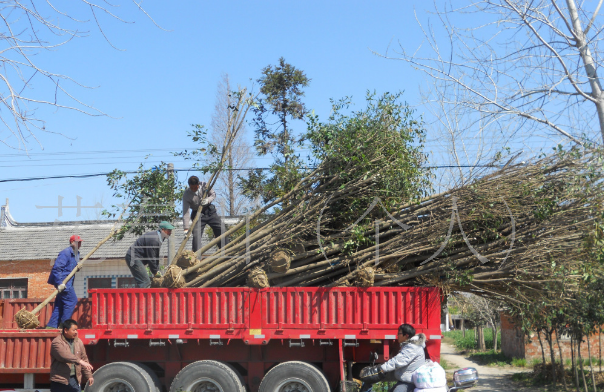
<point>157,282</point>
<point>26,319</point>
<point>392,268</point>
<point>187,259</point>
<point>365,277</point>
<point>280,260</point>
<point>257,279</point>
<point>297,249</point>
<point>173,278</point>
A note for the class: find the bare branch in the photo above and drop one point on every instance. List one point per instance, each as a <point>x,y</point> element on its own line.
<point>30,28</point>
<point>593,18</point>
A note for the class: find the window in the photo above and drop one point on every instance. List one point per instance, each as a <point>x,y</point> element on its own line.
<point>126,283</point>
<point>13,288</point>
<point>99,283</point>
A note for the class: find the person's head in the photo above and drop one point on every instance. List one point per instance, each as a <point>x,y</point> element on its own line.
<point>69,328</point>
<point>75,241</point>
<point>194,183</point>
<point>166,229</point>
<point>405,332</point>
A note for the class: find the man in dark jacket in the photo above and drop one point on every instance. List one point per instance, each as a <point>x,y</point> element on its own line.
<point>66,300</point>
<point>69,361</point>
<point>192,199</point>
<point>145,251</point>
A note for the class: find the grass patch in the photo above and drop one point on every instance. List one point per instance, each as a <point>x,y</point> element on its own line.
<point>444,364</point>
<point>469,341</point>
<point>490,358</point>
<point>519,362</point>
<point>541,376</point>
<point>522,377</point>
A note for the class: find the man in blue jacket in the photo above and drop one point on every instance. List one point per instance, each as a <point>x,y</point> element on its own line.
<point>66,300</point>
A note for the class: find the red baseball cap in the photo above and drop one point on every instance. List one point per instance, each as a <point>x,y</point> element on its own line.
<point>75,238</point>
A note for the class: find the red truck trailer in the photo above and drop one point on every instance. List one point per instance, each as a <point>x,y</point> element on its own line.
<point>225,339</point>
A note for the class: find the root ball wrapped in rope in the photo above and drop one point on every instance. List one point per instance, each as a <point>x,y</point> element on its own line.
<point>257,279</point>
<point>187,259</point>
<point>26,319</point>
<point>280,260</point>
<point>173,277</point>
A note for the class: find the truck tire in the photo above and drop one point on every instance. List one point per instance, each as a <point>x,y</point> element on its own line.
<point>294,376</point>
<point>202,376</point>
<point>154,378</point>
<point>123,377</point>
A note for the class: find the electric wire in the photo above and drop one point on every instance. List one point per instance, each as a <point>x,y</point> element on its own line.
<point>225,169</point>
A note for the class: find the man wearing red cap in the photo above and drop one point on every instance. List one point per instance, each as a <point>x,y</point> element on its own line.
<point>66,300</point>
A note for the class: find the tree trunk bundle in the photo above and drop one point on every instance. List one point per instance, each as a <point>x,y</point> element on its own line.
<point>509,234</point>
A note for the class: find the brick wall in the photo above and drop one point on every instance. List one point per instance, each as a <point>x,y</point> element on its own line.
<point>515,344</point>
<point>512,339</point>
<point>533,348</point>
<point>35,270</point>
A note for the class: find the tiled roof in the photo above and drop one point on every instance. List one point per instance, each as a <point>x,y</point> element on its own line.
<point>41,241</point>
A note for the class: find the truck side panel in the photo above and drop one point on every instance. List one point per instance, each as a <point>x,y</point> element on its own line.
<point>251,329</point>
<point>170,309</point>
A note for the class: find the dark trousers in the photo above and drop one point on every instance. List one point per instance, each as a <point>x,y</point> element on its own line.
<point>65,303</point>
<point>139,272</point>
<point>73,386</point>
<point>213,220</point>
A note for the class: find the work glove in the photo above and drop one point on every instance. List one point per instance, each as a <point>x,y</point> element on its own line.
<point>61,287</point>
<point>205,201</point>
<point>372,374</point>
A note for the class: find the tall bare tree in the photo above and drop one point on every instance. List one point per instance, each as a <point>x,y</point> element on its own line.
<point>481,311</point>
<point>457,143</point>
<point>229,117</point>
<point>527,67</point>
<point>30,29</point>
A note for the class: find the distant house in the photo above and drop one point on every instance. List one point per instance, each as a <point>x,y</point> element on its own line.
<point>28,251</point>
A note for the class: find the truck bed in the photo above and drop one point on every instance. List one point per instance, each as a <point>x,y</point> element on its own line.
<point>239,317</point>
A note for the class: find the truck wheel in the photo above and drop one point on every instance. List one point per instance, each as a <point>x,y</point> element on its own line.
<point>207,376</point>
<point>121,377</point>
<point>153,376</point>
<point>294,376</point>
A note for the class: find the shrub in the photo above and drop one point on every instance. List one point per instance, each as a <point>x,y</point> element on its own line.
<point>519,362</point>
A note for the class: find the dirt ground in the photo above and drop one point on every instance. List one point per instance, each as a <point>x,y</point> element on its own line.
<point>491,379</point>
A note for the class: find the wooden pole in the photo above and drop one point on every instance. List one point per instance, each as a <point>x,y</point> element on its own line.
<point>24,312</point>
<point>213,178</point>
<point>73,272</point>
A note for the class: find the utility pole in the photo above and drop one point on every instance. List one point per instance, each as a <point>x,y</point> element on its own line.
<point>171,251</point>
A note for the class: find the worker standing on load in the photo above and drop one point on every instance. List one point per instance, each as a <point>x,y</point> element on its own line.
<point>401,367</point>
<point>192,199</point>
<point>66,300</point>
<point>145,252</point>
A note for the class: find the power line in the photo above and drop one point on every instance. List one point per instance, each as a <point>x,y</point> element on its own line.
<point>240,169</point>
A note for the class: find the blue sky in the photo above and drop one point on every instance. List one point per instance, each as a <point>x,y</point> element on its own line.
<point>163,81</point>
